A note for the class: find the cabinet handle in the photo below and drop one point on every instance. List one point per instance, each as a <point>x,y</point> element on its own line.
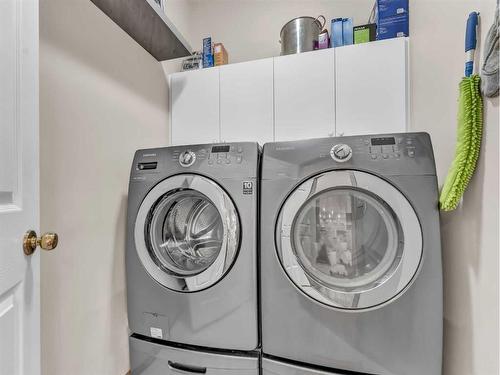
<point>186,369</point>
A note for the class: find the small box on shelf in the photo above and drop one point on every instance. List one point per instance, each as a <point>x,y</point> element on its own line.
<point>208,57</point>
<point>365,33</point>
<point>220,54</point>
<point>393,18</point>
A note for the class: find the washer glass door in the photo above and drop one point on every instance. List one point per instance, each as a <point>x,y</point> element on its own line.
<point>349,239</point>
<point>187,233</point>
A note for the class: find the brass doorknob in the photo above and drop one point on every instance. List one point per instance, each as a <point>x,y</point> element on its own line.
<point>48,241</point>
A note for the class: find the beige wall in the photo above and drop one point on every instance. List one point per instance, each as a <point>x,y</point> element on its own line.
<point>469,234</point>
<point>101,97</point>
<point>250,30</point>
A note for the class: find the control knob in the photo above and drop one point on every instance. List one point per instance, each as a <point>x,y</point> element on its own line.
<point>341,153</point>
<point>187,158</point>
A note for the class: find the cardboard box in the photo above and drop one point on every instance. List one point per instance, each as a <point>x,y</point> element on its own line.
<point>393,27</point>
<point>365,33</point>
<point>208,57</point>
<point>391,8</point>
<point>220,54</point>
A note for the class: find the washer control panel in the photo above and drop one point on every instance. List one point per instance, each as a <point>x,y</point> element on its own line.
<point>341,152</point>
<point>215,155</point>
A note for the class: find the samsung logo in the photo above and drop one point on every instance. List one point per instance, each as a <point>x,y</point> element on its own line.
<point>284,148</point>
<point>148,155</point>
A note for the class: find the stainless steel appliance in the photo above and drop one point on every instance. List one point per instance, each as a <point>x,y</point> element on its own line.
<point>350,256</point>
<point>301,34</point>
<point>191,255</point>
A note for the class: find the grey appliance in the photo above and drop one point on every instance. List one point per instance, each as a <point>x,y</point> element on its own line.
<point>350,254</point>
<point>272,366</point>
<point>151,358</point>
<point>191,251</point>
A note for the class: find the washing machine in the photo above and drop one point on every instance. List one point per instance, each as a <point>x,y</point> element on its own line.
<point>191,251</point>
<point>350,256</point>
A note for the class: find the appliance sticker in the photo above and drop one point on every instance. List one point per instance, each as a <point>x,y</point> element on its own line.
<point>156,333</point>
<point>247,187</point>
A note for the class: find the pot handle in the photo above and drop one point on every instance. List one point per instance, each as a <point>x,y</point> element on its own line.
<point>322,25</point>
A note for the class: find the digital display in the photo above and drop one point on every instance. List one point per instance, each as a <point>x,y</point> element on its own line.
<point>216,149</point>
<point>383,141</point>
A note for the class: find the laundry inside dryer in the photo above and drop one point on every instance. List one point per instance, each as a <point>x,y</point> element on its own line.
<point>347,238</point>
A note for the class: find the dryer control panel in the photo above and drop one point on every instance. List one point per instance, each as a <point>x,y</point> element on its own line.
<point>384,148</point>
<point>385,154</point>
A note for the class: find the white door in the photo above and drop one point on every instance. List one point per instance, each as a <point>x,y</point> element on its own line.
<point>194,103</point>
<point>19,273</point>
<point>372,87</point>
<point>304,95</point>
<point>246,102</point>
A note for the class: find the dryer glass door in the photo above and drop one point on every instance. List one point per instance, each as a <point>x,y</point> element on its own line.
<point>187,233</point>
<point>349,239</point>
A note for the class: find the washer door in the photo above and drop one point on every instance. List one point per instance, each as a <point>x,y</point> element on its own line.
<point>187,233</point>
<point>349,240</point>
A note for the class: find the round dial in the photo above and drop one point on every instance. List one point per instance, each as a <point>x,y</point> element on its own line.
<point>341,153</point>
<point>187,158</point>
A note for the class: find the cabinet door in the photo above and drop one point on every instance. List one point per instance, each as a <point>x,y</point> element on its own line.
<point>304,95</point>
<point>246,101</point>
<point>372,88</point>
<point>194,103</point>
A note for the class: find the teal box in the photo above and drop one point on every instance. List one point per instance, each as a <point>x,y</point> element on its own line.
<point>347,31</point>
<point>337,38</point>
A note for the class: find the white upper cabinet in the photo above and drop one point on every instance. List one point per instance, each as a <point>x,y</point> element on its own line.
<point>357,89</point>
<point>372,87</point>
<point>194,103</point>
<point>304,95</point>
<point>246,101</point>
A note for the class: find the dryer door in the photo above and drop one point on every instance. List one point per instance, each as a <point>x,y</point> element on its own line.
<point>349,239</point>
<point>187,233</point>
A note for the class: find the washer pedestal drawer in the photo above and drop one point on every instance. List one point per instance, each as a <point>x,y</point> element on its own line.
<point>148,358</point>
<point>274,367</point>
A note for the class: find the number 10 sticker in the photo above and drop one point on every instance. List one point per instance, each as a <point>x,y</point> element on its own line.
<point>247,187</point>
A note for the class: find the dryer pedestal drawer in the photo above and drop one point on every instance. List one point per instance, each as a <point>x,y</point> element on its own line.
<point>148,358</point>
<point>274,367</point>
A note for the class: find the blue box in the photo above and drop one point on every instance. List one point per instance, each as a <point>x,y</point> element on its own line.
<point>347,31</point>
<point>208,56</point>
<point>337,38</point>
<point>391,8</point>
<point>393,27</point>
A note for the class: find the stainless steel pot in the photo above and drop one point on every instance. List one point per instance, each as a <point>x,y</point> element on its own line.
<point>301,34</point>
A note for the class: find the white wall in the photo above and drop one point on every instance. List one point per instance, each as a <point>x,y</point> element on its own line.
<point>101,97</point>
<point>250,30</point>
